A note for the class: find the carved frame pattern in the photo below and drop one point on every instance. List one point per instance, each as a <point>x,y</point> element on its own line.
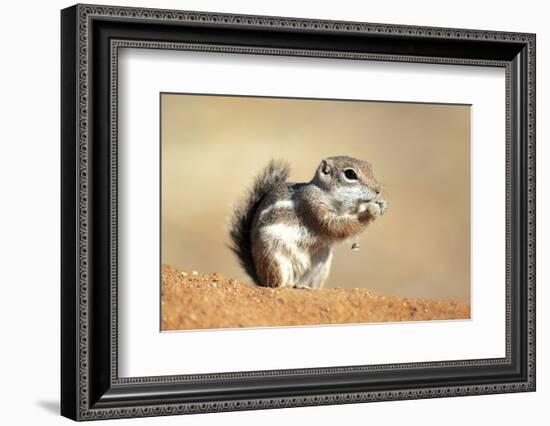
<point>85,409</point>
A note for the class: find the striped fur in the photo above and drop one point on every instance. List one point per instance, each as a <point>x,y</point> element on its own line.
<point>275,174</point>
<point>283,233</point>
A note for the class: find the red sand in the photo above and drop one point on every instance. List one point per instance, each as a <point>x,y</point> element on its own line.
<point>191,300</point>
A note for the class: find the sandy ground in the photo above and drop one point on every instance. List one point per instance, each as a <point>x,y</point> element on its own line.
<point>191,300</point>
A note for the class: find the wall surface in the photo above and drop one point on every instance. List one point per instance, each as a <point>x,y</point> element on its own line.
<point>29,229</point>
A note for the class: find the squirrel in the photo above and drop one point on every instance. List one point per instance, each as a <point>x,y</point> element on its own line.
<point>283,233</point>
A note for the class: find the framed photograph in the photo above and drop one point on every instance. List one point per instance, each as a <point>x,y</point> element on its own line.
<point>263,212</point>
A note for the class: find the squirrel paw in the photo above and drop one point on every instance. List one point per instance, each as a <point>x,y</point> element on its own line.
<point>303,287</point>
<point>373,208</point>
<point>383,205</point>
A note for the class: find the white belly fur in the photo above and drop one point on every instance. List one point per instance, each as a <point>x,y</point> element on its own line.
<point>301,261</point>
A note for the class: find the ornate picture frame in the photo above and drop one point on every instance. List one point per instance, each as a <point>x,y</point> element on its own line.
<point>91,37</point>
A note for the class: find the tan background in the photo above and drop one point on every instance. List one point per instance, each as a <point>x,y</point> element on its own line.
<point>213,146</point>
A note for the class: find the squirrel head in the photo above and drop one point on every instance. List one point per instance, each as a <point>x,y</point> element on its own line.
<point>349,182</point>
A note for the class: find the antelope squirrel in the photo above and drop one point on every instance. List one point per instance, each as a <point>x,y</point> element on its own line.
<point>283,233</point>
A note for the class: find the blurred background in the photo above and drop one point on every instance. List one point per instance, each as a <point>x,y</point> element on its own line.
<point>213,146</point>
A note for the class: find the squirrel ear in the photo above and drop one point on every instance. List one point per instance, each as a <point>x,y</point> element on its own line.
<point>325,167</point>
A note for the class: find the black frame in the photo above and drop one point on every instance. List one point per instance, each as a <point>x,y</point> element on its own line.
<point>91,37</point>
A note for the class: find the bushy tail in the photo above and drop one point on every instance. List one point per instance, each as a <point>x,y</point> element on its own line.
<point>273,175</point>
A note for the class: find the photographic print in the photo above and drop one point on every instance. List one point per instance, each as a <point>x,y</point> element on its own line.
<point>292,212</point>
<point>275,185</point>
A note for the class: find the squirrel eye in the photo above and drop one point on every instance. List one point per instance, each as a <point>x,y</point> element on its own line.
<point>350,174</point>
